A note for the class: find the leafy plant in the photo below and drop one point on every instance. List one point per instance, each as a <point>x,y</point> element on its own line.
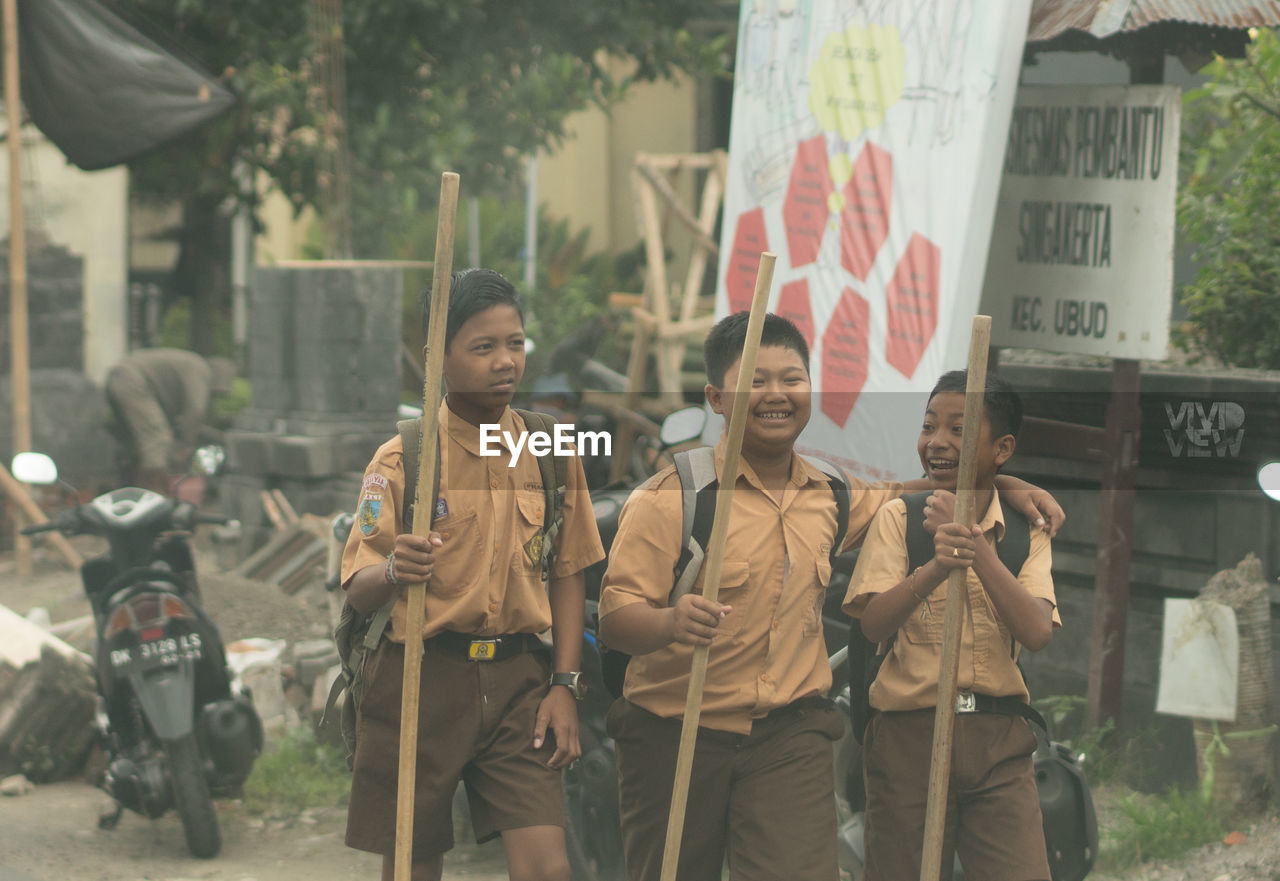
<point>296,773</point>
<point>1158,828</point>
<point>1231,167</point>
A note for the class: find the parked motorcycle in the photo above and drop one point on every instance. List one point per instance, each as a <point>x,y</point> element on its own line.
<point>178,728</point>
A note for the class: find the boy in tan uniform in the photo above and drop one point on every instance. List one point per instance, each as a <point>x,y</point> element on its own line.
<point>993,811</point>
<point>761,789</point>
<point>493,713</point>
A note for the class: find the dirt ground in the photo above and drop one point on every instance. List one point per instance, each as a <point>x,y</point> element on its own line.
<point>51,834</point>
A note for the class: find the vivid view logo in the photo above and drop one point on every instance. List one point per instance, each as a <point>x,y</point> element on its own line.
<point>1194,432</point>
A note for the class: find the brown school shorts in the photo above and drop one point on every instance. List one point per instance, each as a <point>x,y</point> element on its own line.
<point>993,807</point>
<point>475,724</point>
<point>766,800</point>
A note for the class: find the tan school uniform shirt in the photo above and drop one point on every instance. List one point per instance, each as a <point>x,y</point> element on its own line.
<point>769,651</point>
<point>487,578</point>
<point>908,678</point>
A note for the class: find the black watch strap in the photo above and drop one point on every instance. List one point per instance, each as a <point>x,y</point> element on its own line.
<point>575,682</point>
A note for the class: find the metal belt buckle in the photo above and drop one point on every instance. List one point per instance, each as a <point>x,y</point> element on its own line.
<point>483,649</point>
<point>966,702</point>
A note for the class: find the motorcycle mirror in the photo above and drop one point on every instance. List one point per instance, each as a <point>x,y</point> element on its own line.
<point>1269,480</point>
<point>529,347</point>
<point>208,461</point>
<point>34,468</point>
<point>683,425</point>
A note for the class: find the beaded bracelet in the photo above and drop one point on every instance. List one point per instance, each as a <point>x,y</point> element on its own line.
<point>911,585</point>
<point>389,569</point>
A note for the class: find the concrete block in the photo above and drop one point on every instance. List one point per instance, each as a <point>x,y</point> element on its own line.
<point>298,456</point>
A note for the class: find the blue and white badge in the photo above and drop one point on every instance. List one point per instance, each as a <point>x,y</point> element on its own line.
<point>367,516</point>
<point>442,508</point>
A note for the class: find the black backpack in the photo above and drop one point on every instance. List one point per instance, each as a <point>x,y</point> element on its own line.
<point>357,634</point>
<point>696,469</point>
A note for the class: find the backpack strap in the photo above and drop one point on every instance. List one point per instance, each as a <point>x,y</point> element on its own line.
<point>554,470</point>
<point>696,469</point>
<point>840,490</point>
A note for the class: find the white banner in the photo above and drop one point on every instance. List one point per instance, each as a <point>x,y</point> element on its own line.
<point>1082,251</point>
<point>865,152</point>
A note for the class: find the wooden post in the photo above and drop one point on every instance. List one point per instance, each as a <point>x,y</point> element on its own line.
<point>944,717</point>
<point>1115,530</point>
<point>20,378</point>
<point>423,510</point>
<point>714,561</point>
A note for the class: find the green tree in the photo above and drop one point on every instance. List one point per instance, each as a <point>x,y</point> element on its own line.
<point>431,85</point>
<point>1228,205</point>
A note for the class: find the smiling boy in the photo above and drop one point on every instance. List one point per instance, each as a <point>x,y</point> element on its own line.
<point>993,814</point>
<point>496,719</point>
<point>761,790</point>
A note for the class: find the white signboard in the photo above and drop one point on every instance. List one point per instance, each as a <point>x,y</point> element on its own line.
<point>865,152</point>
<point>1199,660</point>
<point>1082,251</point>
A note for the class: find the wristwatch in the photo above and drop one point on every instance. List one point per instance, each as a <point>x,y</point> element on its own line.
<point>575,682</point>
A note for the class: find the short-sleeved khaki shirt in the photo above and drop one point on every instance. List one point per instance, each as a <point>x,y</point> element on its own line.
<point>908,678</point>
<point>487,577</point>
<point>769,651</point>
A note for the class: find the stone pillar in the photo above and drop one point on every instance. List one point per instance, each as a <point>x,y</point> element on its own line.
<point>324,352</point>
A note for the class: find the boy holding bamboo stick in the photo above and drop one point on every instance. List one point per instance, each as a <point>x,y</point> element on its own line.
<point>993,813</point>
<point>496,710</point>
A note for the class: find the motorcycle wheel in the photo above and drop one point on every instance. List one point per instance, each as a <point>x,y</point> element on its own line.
<point>192,798</point>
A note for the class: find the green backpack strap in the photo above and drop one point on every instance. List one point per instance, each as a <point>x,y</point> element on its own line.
<point>554,470</point>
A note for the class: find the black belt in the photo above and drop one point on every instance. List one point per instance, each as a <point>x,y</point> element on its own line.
<point>485,648</point>
<point>969,702</point>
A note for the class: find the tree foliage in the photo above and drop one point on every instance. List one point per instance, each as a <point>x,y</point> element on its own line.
<point>1228,208</point>
<point>431,85</point>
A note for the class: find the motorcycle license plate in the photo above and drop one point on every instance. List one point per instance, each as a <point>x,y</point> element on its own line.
<point>161,652</point>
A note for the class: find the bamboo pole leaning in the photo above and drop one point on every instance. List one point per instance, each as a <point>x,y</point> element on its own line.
<point>423,509</point>
<point>714,562</point>
<point>957,598</point>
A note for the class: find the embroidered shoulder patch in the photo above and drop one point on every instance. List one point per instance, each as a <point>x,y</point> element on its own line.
<point>367,516</point>
<point>374,481</point>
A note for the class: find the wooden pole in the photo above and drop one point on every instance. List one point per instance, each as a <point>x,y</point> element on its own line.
<point>714,561</point>
<point>19,372</point>
<point>423,509</point>
<point>944,714</point>
<point>18,491</point>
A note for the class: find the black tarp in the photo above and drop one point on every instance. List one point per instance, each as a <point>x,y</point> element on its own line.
<point>102,90</point>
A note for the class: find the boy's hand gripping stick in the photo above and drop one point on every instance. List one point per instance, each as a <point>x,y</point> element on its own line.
<point>957,598</point>
<point>714,561</point>
<point>423,509</point>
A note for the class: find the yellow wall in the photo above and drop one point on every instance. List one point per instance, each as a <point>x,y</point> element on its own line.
<point>587,179</point>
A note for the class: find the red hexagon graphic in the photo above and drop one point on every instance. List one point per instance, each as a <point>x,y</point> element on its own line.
<point>805,211</point>
<point>911,305</point>
<point>793,305</point>
<point>749,241</point>
<point>864,220</point>
<point>844,356</point>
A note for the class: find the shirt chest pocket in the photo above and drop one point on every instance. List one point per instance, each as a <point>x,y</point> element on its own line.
<point>924,626</point>
<point>813,618</point>
<point>734,575</point>
<point>455,567</point>
<point>526,557</point>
